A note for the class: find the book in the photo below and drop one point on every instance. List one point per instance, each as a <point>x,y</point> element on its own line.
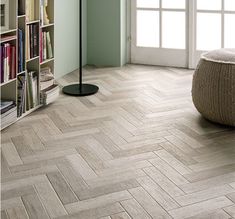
<point>49,47</point>
<point>8,112</point>
<point>41,46</point>
<point>46,74</point>
<point>45,84</point>
<point>20,50</point>
<point>8,62</point>
<point>32,40</point>
<point>2,64</point>
<point>13,62</point>
<point>5,104</point>
<point>49,95</point>
<point>9,117</point>
<point>27,43</point>
<point>30,10</point>
<point>35,90</point>
<point>44,46</point>
<point>35,40</point>
<point>7,108</point>
<point>31,90</point>
<point>42,12</point>
<point>21,95</point>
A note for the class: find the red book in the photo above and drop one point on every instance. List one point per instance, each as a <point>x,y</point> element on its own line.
<point>9,60</point>
<point>13,63</point>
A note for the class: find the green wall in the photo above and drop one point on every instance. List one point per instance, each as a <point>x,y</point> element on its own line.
<point>67,36</point>
<point>106,32</point>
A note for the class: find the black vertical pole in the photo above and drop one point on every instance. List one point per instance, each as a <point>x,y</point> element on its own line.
<point>80,45</point>
<point>80,89</point>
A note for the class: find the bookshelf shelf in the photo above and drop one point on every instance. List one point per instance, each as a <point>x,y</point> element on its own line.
<point>33,56</point>
<point>8,31</point>
<point>7,82</point>
<point>48,25</point>
<point>32,22</point>
<point>46,61</point>
<point>20,73</point>
<point>21,16</point>
<point>8,40</point>
<point>29,111</point>
<point>32,59</point>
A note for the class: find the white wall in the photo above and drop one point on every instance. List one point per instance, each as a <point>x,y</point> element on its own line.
<point>66,36</point>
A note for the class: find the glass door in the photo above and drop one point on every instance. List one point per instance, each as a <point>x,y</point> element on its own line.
<point>214,26</point>
<point>177,32</point>
<point>159,32</point>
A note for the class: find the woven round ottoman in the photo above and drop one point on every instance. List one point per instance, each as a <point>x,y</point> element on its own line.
<point>213,89</point>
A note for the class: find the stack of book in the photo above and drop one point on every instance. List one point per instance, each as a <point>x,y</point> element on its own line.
<point>8,62</point>
<point>45,46</point>
<point>49,95</point>
<point>46,78</point>
<point>8,113</point>
<point>32,41</point>
<point>21,55</point>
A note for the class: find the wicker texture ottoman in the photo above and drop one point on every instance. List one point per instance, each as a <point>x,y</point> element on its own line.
<point>213,89</point>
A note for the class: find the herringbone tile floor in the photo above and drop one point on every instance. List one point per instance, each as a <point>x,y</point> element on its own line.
<point>138,149</point>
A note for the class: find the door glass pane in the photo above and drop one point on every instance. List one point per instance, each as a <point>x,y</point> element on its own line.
<point>208,31</point>
<point>229,31</point>
<point>173,30</point>
<point>147,28</point>
<point>178,4</point>
<point>148,3</point>
<point>229,5</point>
<point>209,4</point>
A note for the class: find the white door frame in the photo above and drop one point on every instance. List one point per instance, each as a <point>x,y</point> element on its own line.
<point>192,54</point>
<point>158,56</point>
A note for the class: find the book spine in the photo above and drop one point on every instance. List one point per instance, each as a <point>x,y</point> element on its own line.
<point>19,50</point>
<point>35,40</point>
<point>22,52</point>
<point>6,62</point>
<point>9,55</point>
<point>20,84</point>
<point>2,64</point>
<point>41,46</point>
<point>13,63</point>
<point>30,86</point>
<point>31,43</point>
<point>28,107</point>
<point>44,46</point>
<point>49,47</point>
<point>27,43</point>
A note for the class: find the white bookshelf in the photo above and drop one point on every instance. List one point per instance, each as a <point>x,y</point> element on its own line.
<point>19,19</point>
